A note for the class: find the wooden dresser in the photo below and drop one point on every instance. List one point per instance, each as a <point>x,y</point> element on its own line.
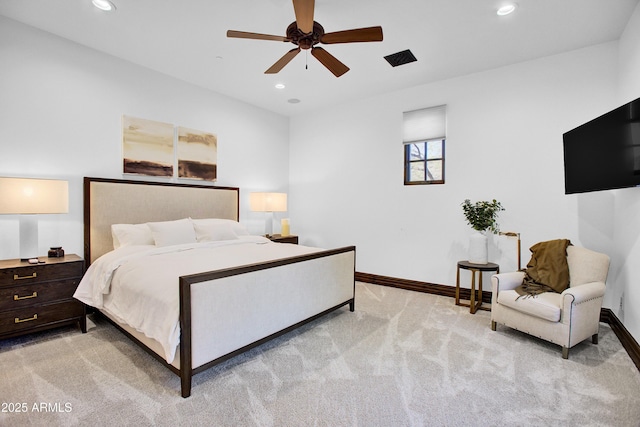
<point>34,297</point>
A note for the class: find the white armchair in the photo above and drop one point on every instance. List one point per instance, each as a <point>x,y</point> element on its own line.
<point>564,319</point>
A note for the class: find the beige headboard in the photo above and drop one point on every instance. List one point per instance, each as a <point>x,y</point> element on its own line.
<point>116,201</point>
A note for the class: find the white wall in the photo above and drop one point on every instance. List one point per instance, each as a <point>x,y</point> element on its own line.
<point>60,117</point>
<point>627,202</point>
<point>504,141</point>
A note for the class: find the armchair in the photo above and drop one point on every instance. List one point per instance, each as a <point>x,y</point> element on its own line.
<point>564,319</point>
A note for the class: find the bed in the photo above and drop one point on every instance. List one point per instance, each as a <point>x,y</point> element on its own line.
<point>229,293</point>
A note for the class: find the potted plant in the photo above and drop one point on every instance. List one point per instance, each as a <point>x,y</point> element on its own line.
<point>481,216</point>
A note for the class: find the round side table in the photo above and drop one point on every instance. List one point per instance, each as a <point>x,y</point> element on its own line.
<point>475,301</point>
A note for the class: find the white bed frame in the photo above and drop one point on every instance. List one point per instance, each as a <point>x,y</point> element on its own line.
<point>225,312</point>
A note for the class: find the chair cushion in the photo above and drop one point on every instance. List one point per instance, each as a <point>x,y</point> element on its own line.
<point>546,305</point>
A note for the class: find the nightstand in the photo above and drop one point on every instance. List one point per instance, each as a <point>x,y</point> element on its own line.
<point>283,239</point>
<point>34,297</point>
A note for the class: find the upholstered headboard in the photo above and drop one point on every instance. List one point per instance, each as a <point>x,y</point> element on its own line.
<point>116,201</point>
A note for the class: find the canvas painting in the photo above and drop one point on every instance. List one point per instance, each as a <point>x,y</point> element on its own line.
<point>147,147</point>
<point>197,154</point>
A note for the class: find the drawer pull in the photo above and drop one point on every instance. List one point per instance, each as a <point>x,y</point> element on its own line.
<point>33,295</point>
<point>16,277</point>
<point>18,320</point>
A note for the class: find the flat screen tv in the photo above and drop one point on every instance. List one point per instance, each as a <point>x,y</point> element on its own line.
<point>604,154</point>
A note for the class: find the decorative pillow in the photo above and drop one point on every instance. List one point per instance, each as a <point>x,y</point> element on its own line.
<point>213,232</point>
<point>169,233</point>
<point>131,235</point>
<point>213,229</point>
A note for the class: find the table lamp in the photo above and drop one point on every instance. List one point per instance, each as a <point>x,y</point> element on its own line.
<point>29,197</point>
<point>268,203</point>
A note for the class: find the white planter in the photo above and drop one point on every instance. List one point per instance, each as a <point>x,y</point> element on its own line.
<point>478,252</point>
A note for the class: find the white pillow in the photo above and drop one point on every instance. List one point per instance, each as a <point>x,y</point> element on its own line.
<point>213,232</point>
<point>131,235</point>
<point>213,229</point>
<point>167,233</point>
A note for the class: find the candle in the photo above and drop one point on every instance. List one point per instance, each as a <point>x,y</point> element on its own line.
<point>284,226</point>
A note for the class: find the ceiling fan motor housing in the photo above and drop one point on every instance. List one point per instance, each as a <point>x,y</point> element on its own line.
<point>305,41</point>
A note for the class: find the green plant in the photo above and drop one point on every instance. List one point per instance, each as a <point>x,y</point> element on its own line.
<point>482,215</point>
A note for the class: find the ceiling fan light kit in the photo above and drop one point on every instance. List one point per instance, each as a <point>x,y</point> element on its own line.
<point>306,34</point>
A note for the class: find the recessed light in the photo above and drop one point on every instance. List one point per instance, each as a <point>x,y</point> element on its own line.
<point>104,5</point>
<point>506,9</point>
<point>279,86</point>
<point>293,101</point>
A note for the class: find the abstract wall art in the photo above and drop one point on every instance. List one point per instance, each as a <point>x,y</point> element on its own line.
<point>197,154</point>
<point>147,147</point>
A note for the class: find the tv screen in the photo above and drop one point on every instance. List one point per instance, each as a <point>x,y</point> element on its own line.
<point>604,154</point>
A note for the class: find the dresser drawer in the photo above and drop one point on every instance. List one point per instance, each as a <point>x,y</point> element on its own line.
<point>40,273</point>
<point>16,297</point>
<point>31,317</point>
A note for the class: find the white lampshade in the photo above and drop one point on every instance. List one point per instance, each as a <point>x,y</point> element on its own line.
<point>268,202</point>
<point>33,196</point>
<point>28,197</point>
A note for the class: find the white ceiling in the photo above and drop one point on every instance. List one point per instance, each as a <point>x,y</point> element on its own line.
<point>187,39</point>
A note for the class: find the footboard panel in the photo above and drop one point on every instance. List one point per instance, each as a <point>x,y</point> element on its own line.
<point>228,311</point>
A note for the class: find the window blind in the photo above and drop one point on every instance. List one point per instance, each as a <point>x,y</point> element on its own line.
<point>424,124</point>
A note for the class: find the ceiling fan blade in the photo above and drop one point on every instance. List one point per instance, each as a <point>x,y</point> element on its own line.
<point>369,34</point>
<point>255,36</point>
<point>304,14</point>
<point>279,65</point>
<point>329,61</point>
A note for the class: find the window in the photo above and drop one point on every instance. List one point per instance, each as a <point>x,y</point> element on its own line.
<point>424,162</point>
<point>424,142</point>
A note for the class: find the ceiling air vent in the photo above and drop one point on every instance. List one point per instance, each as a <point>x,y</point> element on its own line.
<point>400,58</point>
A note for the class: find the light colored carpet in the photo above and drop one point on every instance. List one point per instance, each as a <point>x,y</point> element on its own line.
<point>402,359</point>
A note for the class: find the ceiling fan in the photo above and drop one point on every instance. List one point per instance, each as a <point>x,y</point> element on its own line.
<point>306,33</point>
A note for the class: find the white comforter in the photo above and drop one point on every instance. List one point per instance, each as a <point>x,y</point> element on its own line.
<point>138,285</point>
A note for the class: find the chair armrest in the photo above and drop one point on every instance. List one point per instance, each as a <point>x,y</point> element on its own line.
<point>585,292</point>
<point>506,281</point>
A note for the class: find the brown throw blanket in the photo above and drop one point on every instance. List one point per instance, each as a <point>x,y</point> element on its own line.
<point>547,271</point>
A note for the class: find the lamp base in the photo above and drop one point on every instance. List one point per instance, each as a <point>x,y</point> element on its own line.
<point>28,237</point>
<point>268,224</point>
